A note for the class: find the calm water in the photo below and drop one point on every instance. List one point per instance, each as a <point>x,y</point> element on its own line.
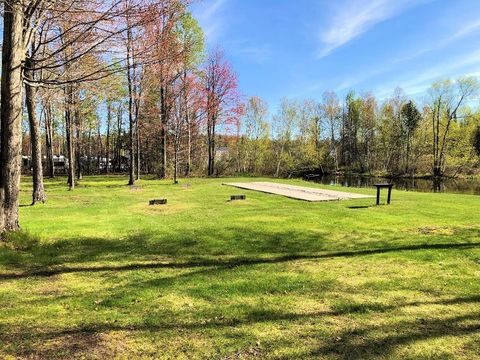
<point>459,186</point>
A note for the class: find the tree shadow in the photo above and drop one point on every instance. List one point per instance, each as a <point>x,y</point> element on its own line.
<point>184,258</point>
<point>45,260</point>
<point>25,255</point>
<point>363,342</point>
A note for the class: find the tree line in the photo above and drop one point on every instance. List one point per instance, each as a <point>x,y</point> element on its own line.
<point>437,136</point>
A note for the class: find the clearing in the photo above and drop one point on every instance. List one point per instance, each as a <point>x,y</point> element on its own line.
<point>99,273</point>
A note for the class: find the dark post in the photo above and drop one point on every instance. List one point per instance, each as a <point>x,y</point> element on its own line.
<point>389,196</point>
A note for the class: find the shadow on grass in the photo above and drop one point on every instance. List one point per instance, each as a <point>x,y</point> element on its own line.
<point>232,262</point>
<point>27,257</point>
<point>367,341</point>
<point>361,343</point>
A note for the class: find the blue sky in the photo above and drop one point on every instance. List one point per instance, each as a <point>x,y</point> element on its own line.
<point>300,48</point>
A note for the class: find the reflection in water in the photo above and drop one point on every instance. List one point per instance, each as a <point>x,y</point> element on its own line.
<point>460,186</point>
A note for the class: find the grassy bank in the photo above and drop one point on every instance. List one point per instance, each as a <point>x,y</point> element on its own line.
<point>101,274</point>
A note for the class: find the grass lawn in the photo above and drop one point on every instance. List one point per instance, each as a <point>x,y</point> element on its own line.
<point>99,273</point>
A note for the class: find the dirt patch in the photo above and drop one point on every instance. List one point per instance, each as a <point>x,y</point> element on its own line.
<point>436,230</point>
<point>29,344</point>
<point>50,287</point>
<point>253,352</point>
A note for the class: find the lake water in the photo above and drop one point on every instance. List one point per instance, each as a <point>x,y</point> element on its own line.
<point>458,186</point>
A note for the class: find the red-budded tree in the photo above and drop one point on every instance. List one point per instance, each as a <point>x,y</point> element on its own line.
<point>222,105</point>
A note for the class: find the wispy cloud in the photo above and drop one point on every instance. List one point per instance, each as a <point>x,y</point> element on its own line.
<point>208,14</point>
<point>352,18</point>
<point>458,66</point>
<point>463,31</point>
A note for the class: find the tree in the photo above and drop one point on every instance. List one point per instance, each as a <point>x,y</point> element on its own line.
<point>13,55</point>
<point>446,99</point>
<point>411,118</point>
<point>38,194</point>
<point>283,124</point>
<point>255,128</point>
<point>476,141</point>
<point>332,112</point>
<point>391,137</point>
<point>222,103</point>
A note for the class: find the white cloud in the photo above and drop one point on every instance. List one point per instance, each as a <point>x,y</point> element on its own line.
<point>354,17</point>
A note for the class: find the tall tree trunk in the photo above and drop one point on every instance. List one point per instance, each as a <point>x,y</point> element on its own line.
<point>78,139</point>
<point>38,194</point>
<point>407,166</point>
<point>69,136</point>
<point>107,145</point>
<point>175,162</point>
<point>138,147</point>
<point>13,53</point>
<point>119,139</point>
<point>163,133</point>
<point>211,147</point>
<point>49,140</point>
<point>131,180</point>
<point>187,122</point>
<point>99,149</point>
<point>279,162</point>
<point>189,146</point>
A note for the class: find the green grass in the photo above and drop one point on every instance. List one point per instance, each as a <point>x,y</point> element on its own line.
<point>98,273</point>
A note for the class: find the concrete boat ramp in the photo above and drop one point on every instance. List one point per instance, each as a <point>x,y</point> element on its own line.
<point>298,192</point>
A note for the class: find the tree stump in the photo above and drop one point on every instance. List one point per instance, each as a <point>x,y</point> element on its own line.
<point>158,202</point>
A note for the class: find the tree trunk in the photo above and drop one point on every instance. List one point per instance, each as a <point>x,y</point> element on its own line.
<point>38,194</point>
<point>78,142</point>
<point>118,164</point>
<point>277,172</point>
<point>107,145</point>
<point>69,136</point>
<point>131,180</point>
<point>49,141</point>
<point>175,164</point>
<point>163,133</point>
<point>189,147</point>
<point>211,148</point>
<point>13,53</point>
<point>407,166</point>
<point>138,147</point>
<point>187,122</point>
